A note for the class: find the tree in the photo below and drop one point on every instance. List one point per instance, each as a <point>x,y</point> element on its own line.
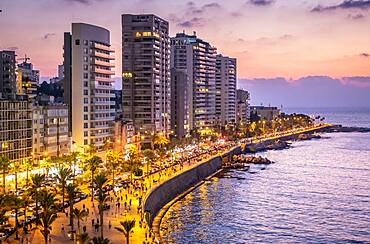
<point>93,163</point>
<point>4,168</point>
<point>37,182</point>
<point>100,240</point>
<point>48,216</point>
<point>100,181</point>
<point>15,204</point>
<point>82,238</point>
<point>28,164</point>
<point>4,207</point>
<point>72,191</point>
<point>63,175</point>
<point>113,162</point>
<point>72,159</point>
<point>79,215</point>
<point>149,156</point>
<point>126,229</point>
<point>44,223</point>
<point>161,141</point>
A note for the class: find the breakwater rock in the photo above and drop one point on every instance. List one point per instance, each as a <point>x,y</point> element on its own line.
<point>243,159</point>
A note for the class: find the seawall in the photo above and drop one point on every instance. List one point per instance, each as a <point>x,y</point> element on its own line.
<point>168,190</point>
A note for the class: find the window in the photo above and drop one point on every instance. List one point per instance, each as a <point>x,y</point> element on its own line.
<point>86,75</point>
<point>86,84</point>
<point>78,42</point>
<point>86,117</point>
<point>86,67</point>
<point>85,142</point>
<point>86,100</point>
<point>86,59</point>
<point>86,92</point>
<point>86,109</point>
<point>86,133</point>
<point>86,42</point>
<point>86,125</point>
<point>85,50</point>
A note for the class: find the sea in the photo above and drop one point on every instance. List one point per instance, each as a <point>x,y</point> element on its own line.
<point>317,191</point>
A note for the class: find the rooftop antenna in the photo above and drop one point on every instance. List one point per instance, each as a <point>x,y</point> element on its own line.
<point>183,31</point>
<point>194,33</point>
<point>24,59</point>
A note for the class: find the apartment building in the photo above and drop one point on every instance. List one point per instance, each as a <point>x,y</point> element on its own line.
<point>16,128</point>
<point>7,74</point>
<point>242,106</point>
<point>146,73</point>
<point>225,90</point>
<point>28,79</point>
<point>197,59</point>
<point>50,130</point>
<point>88,84</point>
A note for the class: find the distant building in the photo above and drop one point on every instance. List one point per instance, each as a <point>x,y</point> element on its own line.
<point>88,84</point>
<point>124,133</point>
<point>50,131</point>
<point>8,81</point>
<point>180,107</point>
<point>28,79</point>
<point>265,113</point>
<point>197,59</point>
<point>60,71</point>
<point>146,73</point>
<point>16,128</point>
<point>242,106</point>
<point>226,90</point>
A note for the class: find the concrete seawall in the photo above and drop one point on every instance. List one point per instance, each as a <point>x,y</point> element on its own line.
<point>168,190</point>
<point>164,193</point>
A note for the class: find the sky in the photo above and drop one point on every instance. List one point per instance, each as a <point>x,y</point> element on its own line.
<point>283,42</point>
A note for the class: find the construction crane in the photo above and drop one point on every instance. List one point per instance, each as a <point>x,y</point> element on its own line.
<point>24,59</point>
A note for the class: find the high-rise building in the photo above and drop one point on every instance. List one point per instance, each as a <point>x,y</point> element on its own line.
<point>88,84</point>
<point>146,73</point>
<point>7,74</point>
<point>28,79</point>
<point>50,130</point>
<point>197,59</point>
<point>16,128</point>
<point>242,106</point>
<point>180,107</point>
<point>60,71</point>
<point>225,90</point>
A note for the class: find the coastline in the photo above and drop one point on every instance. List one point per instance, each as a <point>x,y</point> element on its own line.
<point>165,202</point>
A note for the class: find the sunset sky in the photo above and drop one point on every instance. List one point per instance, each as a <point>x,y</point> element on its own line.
<point>271,38</point>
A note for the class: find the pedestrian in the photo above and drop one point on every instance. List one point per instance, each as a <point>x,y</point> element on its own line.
<point>84,228</point>
<point>83,206</point>
<point>92,222</point>
<point>62,227</point>
<point>110,225</point>
<point>97,221</point>
<point>130,202</point>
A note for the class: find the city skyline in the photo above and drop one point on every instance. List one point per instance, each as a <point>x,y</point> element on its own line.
<point>268,45</point>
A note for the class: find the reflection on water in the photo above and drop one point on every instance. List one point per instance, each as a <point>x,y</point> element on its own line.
<point>316,192</point>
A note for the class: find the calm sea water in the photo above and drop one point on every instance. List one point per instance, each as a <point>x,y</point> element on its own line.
<point>317,192</point>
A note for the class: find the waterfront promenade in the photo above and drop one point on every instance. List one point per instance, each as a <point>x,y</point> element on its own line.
<point>126,203</point>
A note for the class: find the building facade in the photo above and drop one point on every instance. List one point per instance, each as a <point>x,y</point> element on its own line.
<point>225,90</point>
<point>88,85</point>
<point>28,79</point>
<point>50,130</point>
<point>16,128</point>
<point>180,107</point>
<point>242,106</point>
<point>8,81</point>
<point>265,113</point>
<point>197,59</point>
<point>146,73</point>
<point>124,133</point>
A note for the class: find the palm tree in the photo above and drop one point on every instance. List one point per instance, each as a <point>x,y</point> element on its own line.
<point>72,191</point>
<point>100,240</point>
<point>48,216</point>
<point>37,181</point>
<point>4,167</point>
<point>82,238</point>
<point>63,175</point>
<point>28,164</point>
<point>72,159</point>
<point>79,215</point>
<point>126,228</point>
<point>100,181</point>
<point>113,162</point>
<point>15,204</point>
<point>4,207</point>
<point>149,156</point>
<point>93,163</point>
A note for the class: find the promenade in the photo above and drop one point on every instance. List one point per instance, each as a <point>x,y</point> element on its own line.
<point>126,203</point>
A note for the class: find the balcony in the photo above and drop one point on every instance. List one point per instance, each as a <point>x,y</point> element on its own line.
<point>102,47</point>
<point>103,71</point>
<point>103,55</point>
<point>103,79</point>
<point>103,63</point>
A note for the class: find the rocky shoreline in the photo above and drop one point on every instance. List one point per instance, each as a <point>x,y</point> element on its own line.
<point>340,128</point>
